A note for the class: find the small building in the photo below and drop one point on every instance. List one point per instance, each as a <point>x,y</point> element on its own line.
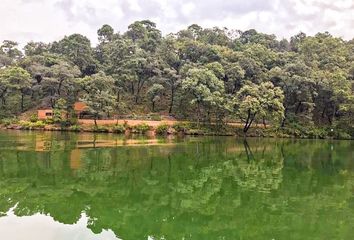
<point>44,114</point>
<point>79,108</point>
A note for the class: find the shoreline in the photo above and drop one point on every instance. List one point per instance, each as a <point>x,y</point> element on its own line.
<point>167,129</point>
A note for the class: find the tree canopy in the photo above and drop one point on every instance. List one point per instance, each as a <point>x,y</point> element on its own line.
<point>197,74</point>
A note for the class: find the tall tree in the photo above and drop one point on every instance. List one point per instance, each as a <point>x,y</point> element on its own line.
<point>77,49</point>
<point>258,101</point>
<point>16,79</point>
<point>205,89</point>
<point>98,95</point>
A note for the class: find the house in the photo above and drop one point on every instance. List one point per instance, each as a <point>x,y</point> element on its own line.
<point>79,108</point>
<point>44,114</point>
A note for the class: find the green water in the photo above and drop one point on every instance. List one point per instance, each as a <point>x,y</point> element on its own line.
<point>82,186</point>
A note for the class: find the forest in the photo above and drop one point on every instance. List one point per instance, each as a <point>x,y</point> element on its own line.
<point>203,75</point>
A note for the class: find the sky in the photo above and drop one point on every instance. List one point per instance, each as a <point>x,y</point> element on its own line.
<point>49,20</point>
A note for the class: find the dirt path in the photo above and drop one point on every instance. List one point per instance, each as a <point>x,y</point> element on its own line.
<point>130,122</point>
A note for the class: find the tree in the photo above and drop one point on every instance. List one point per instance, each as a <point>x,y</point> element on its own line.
<point>173,81</point>
<point>169,53</point>
<point>234,77</point>
<point>204,87</point>
<point>4,88</point>
<point>258,101</point>
<point>154,94</point>
<point>145,34</point>
<point>36,48</point>
<point>77,49</point>
<point>202,71</point>
<point>9,48</point>
<point>98,94</point>
<point>105,33</point>
<point>58,110</point>
<point>299,87</point>
<point>15,79</point>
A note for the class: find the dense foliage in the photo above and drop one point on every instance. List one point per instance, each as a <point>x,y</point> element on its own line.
<point>202,75</point>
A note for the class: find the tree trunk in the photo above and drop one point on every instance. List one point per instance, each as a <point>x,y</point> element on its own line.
<point>95,120</point>
<point>298,107</point>
<point>153,106</point>
<point>172,101</point>
<point>323,112</point>
<point>264,123</point>
<point>198,115</point>
<point>249,121</point>
<point>59,87</point>
<point>118,96</point>
<point>334,113</point>
<point>284,119</point>
<point>22,102</point>
<point>132,88</point>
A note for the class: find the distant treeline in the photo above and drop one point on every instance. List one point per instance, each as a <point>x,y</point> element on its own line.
<point>199,74</point>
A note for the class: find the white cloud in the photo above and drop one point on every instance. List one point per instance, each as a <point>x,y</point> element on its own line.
<point>48,20</point>
<point>188,8</point>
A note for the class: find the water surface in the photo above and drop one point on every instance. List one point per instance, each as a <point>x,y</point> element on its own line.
<point>85,186</point>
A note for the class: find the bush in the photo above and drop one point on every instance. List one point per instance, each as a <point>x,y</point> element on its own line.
<point>33,118</point>
<point>162,129</point>
<point>75,128</point>
<point>155,117</point>
<point>119,128</point>
<point>57,115</point>
<point>30,125</point>
<point>25,124</point>
<point>49,121</point>
<point>38,124</point>
<point>73,121</point>
<point>343,135</point>
<point>66,123</point>
<point>181,127</point>
<point>141,128</point>
<point>8,121</point>
<point>316,133</point>
<point>101,129</point>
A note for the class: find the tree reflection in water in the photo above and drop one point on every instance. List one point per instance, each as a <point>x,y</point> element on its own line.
<point>199,188</point>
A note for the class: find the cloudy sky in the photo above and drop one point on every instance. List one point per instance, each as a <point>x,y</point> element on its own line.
<point>48,20</point>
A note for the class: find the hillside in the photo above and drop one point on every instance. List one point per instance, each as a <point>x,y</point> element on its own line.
<point>201,75</point>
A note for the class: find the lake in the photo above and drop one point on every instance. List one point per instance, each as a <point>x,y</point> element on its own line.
<point>59,186</point>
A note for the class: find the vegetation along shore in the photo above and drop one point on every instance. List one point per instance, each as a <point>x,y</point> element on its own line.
<point>205,81</point>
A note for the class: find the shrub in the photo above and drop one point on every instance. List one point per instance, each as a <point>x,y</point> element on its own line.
<point>317,133</point>
<point>33,118</point>
<point>119,128</point>
<point>8,121</point>
<point>25,124</point>
<point>343,135</point>
<point>30,125</point>
<point>162,129</point>
<point>65,123</point>
<point>155,117</point>
<point>101,129</point>
<point>75,128</point>
<point>49,121</point>
<point>38,124</point>
<point>141,128</point>
<point>73,121</point>
<point>57,115</point>
<point>181,127</point>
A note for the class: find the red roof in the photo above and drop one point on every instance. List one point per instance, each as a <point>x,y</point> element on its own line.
<point>80,106</point>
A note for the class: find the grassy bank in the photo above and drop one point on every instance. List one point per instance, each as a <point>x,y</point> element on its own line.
<point>181,128</point>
